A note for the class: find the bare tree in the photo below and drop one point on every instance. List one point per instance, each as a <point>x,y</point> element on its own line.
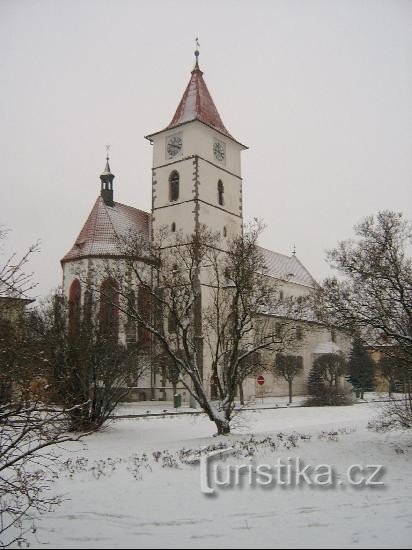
<point>7,360</point>
<point>14,281</point>
<point>330,367</point>
<point>323,384</point>
<point>30,429</point>
<point>288,367</point>
<point>373,299</point>
<point>168,371</point>
<point>389,369</point>
<point>235,321</point>
<point>249,367</point>
<point>29,435</point>
<point>92,372</point>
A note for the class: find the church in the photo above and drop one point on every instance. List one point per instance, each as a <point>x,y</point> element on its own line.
<point>196,180</point>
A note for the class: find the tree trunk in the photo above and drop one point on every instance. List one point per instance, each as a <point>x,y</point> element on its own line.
<point>164,382</point>
<point>290,391</point>
<point>223,426</point>
<point>174,385</point>
<point>241,395</point>
<point>362,393</point>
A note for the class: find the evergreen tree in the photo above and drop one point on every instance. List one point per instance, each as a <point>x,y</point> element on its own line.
<point>315,382</point>
<point>361,368</point>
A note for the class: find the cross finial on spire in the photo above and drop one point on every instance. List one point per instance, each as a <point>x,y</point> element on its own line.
<point>294,249</point>
<point>107,151</point>
<point>197,45</point>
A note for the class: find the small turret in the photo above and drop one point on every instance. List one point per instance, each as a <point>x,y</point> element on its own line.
<point>107,184</point>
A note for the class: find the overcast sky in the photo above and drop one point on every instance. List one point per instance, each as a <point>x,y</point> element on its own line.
<point>320,90</point>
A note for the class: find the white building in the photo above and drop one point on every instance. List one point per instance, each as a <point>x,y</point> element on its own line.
<point>196,180</point>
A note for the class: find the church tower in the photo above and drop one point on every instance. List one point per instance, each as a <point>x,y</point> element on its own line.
<point>196,180</point>
<point>196,173</point>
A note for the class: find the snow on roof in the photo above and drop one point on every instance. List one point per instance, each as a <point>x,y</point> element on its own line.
<point>326,347</point>
<point>197,104</point>
<point>287,268</point>
<point>99,234</point>
<point>98,238</point>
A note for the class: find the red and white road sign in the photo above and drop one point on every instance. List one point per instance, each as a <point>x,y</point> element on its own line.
<point>260,380</point>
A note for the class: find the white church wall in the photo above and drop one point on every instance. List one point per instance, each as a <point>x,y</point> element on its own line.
<point>313,335</point>
<point>161,176</point>
<point>181,214</point>
<point>197,139</point>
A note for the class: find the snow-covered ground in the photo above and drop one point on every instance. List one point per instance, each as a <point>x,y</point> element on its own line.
<point>167,407</point>
<point>117,497</point>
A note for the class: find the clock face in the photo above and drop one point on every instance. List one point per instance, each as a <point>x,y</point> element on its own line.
<point>174,146</point>
<point>219,150</point>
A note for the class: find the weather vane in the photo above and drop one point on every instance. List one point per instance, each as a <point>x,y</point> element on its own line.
<point>197,45</point>
<point>107,150</point>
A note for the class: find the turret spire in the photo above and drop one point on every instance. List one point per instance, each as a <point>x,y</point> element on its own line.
<point>106,177</point>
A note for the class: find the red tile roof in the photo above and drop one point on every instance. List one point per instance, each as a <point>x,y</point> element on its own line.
<point>104,224</point>
<point>197,104</point>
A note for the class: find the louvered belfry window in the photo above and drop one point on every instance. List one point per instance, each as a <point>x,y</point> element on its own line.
<point>174,181</point>
<point>220,192</point>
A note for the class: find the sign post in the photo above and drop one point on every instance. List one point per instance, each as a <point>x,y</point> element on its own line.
<point>261,381</point>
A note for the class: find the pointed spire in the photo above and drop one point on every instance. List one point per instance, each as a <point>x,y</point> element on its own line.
<point>294,249</point>
<point>197,103</point>
<point>107,167</point>
<point>106,178</point>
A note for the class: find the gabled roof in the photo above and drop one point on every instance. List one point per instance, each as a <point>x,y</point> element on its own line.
<point>287,268</point>
<point>98,238</point>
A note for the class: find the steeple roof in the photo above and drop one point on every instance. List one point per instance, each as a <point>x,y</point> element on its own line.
<point>197,104</point>
<point>107,171</point>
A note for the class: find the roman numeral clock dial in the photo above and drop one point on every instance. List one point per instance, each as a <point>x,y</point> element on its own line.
<point>174,146</point>
<point>219,151</point>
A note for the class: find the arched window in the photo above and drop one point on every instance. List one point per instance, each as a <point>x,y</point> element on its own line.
<point>174,180</point>
<point>172,323</point>
<point>131,334</point>
<point>88,308</point>
<point>109,310</point>
<point>144,304</point>
<point>173,227</point>
<point>278,330</point>
<point>75,296</point>
<point>220,193</point>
